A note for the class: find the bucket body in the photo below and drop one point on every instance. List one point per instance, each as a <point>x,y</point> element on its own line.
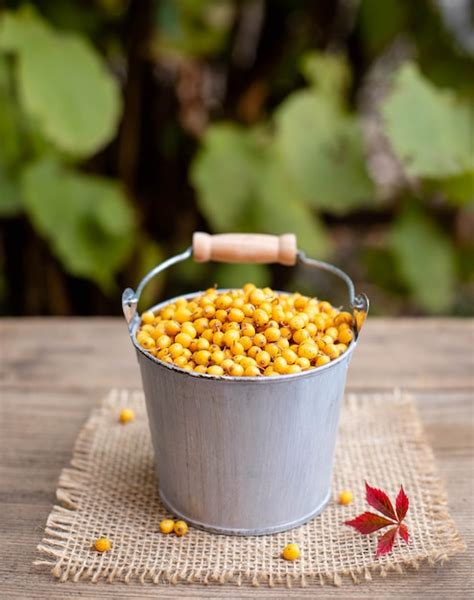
<point>243,455</point>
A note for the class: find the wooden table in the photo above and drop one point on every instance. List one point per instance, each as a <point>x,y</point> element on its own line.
<point>53,371</point>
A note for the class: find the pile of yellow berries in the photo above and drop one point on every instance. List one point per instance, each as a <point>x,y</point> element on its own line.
<point>246,332</point>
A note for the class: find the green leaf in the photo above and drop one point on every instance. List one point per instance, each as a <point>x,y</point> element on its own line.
<point>224,174</point>
<point>10,203</point>
<point>429,129</point>
<point>85,218</point>
<point>328,73</point>
<point>459,189</point>
<point>237,275</point>
<point>280,209</point>
<point>323,151</point>
<point>63,84</point>
<point>425,259</point>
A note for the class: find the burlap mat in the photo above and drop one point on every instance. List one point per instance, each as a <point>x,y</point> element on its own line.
<point>111,490</point>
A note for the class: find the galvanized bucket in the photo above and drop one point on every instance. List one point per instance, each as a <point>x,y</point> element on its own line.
<point>243,455</point>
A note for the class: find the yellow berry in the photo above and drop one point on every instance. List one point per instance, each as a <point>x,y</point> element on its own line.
<point>217,357</point>
<point>182,314</point>
<point>280,364</point>
<point>230,337</point>
<point>308,350</point>
<point>297,322</point>
<point>263,359</point>
<point>257,297</point>
<point>184,339</point>
<point>260,317</point>
<point>291,552</point>
<point>345,497</point>
<point>345,336</point>
<point>272,334</point>
<point>103,544</point>
<point>148,317</point>
<point>126,415</point>
<point>290,369</point>
<point>289,355</point>
<point>215,370</point>
<point>180,528</point>
<point>322,360</point>
<point>236,315</point>
<point>236,370</point>
<point>167,526</point>
<point>164,341</point>
<point>251,371</point>
<point>202,357</point>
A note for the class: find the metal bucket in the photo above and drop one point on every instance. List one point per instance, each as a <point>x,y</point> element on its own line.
<point>243,455</point>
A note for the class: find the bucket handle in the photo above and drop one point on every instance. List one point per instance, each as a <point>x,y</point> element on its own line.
<point>246,248</point>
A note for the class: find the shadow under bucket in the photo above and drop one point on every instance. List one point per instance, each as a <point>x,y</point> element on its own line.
<point>242,455</point>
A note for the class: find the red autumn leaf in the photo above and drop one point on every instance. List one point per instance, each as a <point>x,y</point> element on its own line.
<point>402,504</point>
<point>368,522</point>
<point>386,542</point>
<point>380,501</point>
<point>403,531</point>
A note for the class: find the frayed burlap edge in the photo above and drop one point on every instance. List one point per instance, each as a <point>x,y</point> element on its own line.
<point>73,481</point>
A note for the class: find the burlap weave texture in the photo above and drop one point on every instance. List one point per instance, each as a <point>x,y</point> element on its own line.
<point>111,490</point>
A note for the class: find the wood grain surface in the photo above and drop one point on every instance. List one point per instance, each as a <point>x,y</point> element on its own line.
<point>53,371</point>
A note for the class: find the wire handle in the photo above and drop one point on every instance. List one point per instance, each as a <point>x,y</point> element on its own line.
<point>245,248</point>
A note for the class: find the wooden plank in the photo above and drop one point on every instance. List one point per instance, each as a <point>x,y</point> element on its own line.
<point>95,354</point>
<point>38,429</point>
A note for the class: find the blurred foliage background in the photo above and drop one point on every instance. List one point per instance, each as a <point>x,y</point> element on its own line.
<point>126,125</point>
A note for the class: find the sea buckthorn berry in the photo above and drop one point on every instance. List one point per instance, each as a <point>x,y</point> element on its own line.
<point>256,297</point>
<point>227,364</point>
<point>236,315</point>
<point>291,552</point>
<point>181,528</point>
<point>126,415</point>
<point>341,347</point>
<point>289,355</point>
<point>218,338</point>
<point>237,348</point>
<point>283,343</point>
<point>236,370</point>
<point>166,526</point>
<point>223,301</point>
<point>325,306</point>
<point>184,339</point>
<point>189,329</point>
<point>270,372</point>
<point>176,350</point>
<point>301,335</point>
<point>253,351</point>
<point>280,364</point>
<point>345,336</point>
<point>172,327</point>
<point>215,370</point>
<point>286,332</point>
<point>246,341</point>
<point>230,337</point>
<point>272,349</point>
<point>308,350</point>
<point>297,322</point>
<point>102,544</point>
<point>303,362</point>
<point>180,361</point>
<point>208,311</point>
<point>332,331</point>
<point>148,317</point>
<point>263,359</point>
<point>207,334</point>
<point>260,317</point>
<point>148,343</point>
<point>217,357</point>
<point>248,362</point>
<point>345,497</point>
<point>202,344</point>
<point>290,369</point>
<point>251,371</point>
<point>247,330</point>
<point>202,357</point>
<point>200,325</point>
<point>272,334</point>
<point>259,340</point>
<point>248,309</point>
<point>249,287</point>
<point>221,315</point>
<point>200,369</point>
<point>322,360</point>
<point>164,341</point>
<point>311,329</point>
<point>343,317</point>
<point>182,314</point>
<point>331,351</point>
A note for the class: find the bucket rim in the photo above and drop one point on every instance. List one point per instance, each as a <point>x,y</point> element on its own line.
<point>280,378</point>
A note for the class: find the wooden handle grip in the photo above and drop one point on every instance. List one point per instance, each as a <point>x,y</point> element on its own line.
<point>245,248</point>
